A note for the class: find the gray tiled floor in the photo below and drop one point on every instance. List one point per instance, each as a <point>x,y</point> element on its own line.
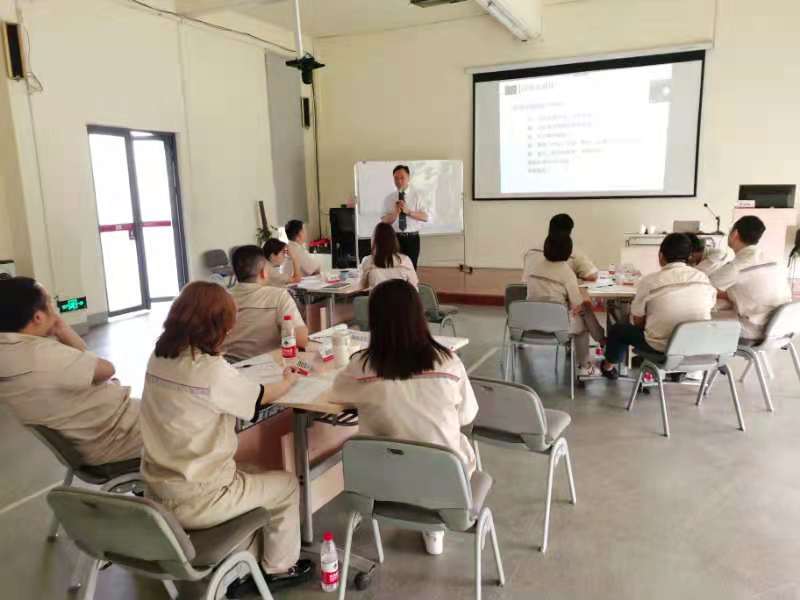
<point>709,513</point>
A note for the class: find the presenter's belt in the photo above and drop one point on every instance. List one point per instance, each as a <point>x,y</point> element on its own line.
<point>407,234</point>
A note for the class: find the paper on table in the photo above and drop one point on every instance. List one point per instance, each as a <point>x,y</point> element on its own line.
<point>256,360</point>
<point>306,390</point>
<point>263,372</point>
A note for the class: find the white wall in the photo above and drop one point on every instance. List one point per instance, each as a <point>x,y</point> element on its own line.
<point>111,63</point>
<point>406,94</point>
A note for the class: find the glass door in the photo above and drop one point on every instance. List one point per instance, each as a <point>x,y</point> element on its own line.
<point>138,214</point>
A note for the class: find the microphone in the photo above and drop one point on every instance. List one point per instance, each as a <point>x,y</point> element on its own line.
<point>403,223</point>
<point>713,214</point>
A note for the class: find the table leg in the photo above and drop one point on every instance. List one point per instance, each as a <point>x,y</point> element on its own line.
<point>303,470</point>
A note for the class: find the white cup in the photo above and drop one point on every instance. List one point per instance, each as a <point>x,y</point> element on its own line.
<point>341,349</point>
<point>653,229</point>
<point>642,229</point>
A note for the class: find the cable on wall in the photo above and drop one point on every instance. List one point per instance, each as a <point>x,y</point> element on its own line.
<point>316,155</point>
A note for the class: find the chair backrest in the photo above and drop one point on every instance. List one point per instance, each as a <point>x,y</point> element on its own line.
<point>783,325</point>
<point>701,342</point>
<point>417,475</point>
<point>136,533</point>
<point>361,312</point>
<point>64,451</point>
<point>514,292</point>
<point>430,302</point>
<point>215,258</point>
<point>538,317</point>
<point>508,411</point>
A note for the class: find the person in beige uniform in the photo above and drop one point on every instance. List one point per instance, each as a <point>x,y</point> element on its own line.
<point>276,251</point>
<point>261,308</point>
<point>192,398</point>
<point>676,294</point>
<point>580,264</point>
<point>300,263</point>
<point>754,284</point>
<point>552,280</point>
<point>47,377</point>
<point>385,262</point>
<point>706,258</point>
<point>406,385</point>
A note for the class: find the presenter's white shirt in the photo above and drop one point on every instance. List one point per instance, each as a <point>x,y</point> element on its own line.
<point>756,285</point>
<point>402,269</point>
<point>298,252</point>
<point>431,407</point>
<point>415,202</point>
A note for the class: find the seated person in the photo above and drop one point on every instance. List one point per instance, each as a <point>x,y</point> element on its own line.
<point>300,262</point>
<point>191,401</point>
<point>261,308</point>
<point>552,280</point>
<point>275,251</point>
<point>407,386</point>
<point>705,257</point>
<point>664,299</point>
<point>754,284</point>
<point>386,262</point>
<point>578,262</point>
<point>47,377</point>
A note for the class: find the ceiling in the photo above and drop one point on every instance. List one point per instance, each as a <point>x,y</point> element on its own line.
<point>324,18</point>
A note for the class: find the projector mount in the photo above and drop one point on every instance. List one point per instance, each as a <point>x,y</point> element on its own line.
<point>305,61</point>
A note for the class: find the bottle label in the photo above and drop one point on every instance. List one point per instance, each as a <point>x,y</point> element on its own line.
<point>289,346</point>
<point>330,572</point>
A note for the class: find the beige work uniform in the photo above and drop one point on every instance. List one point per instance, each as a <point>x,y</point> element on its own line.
<point>402,269</point>
<point>676,294</point>
<point>431,407</point>
<point>298,252</point>
<point>189,410</point>
<point>756,286</point>
<point>259,316</point>
<point>45,382</point>
<point>578,262</point>
<point>277,278</point>
<point>556,282</point>
<point>713,259</point>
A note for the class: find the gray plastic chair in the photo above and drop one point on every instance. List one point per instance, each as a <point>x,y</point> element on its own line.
<point>142,536</point>
<point>514,292</point>
<point>382,483</point>
<point>361,312</point>
<point>532,323</point>
<point>219,264</point>
<point>781,331</point>
<point>435,312</point>
<point>119,478</point>
<point>706,346</point>
<point>512,416</point>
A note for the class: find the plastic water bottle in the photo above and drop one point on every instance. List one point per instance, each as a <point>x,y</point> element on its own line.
<point>288,339</point>
<point>329,564</point>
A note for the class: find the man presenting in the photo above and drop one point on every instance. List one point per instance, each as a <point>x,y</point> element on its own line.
<point>407,210</point>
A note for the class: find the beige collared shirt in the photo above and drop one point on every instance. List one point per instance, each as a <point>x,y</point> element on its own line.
<point>278,278</point>
<point>259,317</point>
<point>189,409</point>
<point>756,286</point>
<point>553,282</point>
<point>676,294</point>
<point>402,269</point>
<point>298,252</point>
<point>578,262</point>
<point>713,259</point>
<point>45,382</point>
<point>430,407</point>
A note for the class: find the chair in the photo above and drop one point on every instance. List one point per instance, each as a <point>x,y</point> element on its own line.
<point>382,483</point>
<point>512,416</point>
<point>781,330</point>
<point>219,264</point>
<point>361,312</point>
<point>532,323</point>
<point>706,346</point>
<point>435,312</point>
<point>514,292</point>
<point>141,536</point>
<point>119,477</point>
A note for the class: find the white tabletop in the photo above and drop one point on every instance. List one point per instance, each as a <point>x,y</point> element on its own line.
<point>318,286</point>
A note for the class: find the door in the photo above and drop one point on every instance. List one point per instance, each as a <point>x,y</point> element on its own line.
<point>138,215</point>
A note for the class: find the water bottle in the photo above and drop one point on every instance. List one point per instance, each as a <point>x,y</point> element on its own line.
<point>329,564</point>
<point>288,340</point>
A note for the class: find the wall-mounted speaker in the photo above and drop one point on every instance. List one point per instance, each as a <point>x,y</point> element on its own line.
<point>12,42</point>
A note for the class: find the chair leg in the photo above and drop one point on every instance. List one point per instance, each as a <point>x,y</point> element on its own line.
<point>735,396</point>
<point>568,464</point>
<point>711,379</point>
<point>172,591</point>
<point>376,533</point>
<point>81,573</point>
<point>635,391</point>
<point>746,370</point>
<point>89,584</point>
<point>795,358</point>
<point>663,398</point>
<point>498,561</point>
<point>572,368</point>
<point>767,365</point>
<point>484,526</point>
<point>700,392</point>
<point>549,497</point>
<point>478,461</point>
<point>355,519</point>
<point>762,379</point>
<point>52,534</point>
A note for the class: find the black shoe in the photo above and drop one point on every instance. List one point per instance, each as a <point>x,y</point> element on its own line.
<point>676,377</point>
<point>611,373</point>
<point>300,573</point>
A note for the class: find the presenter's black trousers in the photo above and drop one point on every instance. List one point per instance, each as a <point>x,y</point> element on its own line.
<point>409,245</point>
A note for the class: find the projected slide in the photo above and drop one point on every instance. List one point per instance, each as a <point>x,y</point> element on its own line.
<point>621,131</point>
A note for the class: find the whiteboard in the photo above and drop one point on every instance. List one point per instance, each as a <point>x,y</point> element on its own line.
<point>442,181</point>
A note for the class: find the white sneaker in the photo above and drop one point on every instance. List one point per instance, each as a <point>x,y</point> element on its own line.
<point>434,542</point>
<point>588,371</point>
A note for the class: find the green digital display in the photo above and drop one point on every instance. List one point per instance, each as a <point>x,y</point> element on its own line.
<point>72,304</point>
